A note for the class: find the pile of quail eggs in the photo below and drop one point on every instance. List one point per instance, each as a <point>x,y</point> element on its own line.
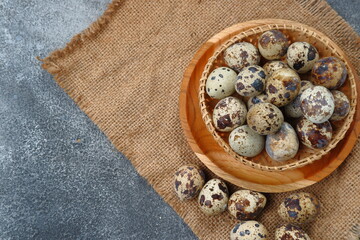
<point>276,90</point>
<point>245,206</point>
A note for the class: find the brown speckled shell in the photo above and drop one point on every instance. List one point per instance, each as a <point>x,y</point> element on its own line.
<point>229,113</point>
<point>188,181</point>
<point>299,208</point>
<point>317,104</point>
<point>265,118</point>
<point>240,55</point>
<point>314,135</point>
<point>214,197</point>
<point>282,86</point>
<point>272,66</point>
<point>246,204</point>
<point>246,142</point>
<point>290,232</point>
<point>256,99</point>
<point>293,109</point>
<point>250,81</point>
<point>249,230</point>
<point>273,44</point>
<point>329,72</point>
<point>301,56</point>
<point>342,106</point>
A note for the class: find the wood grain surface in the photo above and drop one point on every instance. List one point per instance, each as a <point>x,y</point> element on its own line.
<point>225,166</point>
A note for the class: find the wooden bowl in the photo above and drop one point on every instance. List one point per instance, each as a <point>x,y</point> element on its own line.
<point>295,32</point>
<point>226,166</point>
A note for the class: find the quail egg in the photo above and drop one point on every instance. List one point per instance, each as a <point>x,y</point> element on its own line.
<point>314,135</point>
<point>317,104</point>
<point>293,109</point>
<point>301,56</point>
<point>273,44</point>
<point>249,230</point>
<point>299,208</point>
<point>229,113</point>
<point>250,81</point>
<point>291,232</point>
<point>282,86</point>
<point>189,180</point>
<point>342,106</point>
<point>246,142</point>
<point>220,83</point>
<point>265,118</point>
<point>256,99</point>
<point>240,55</point>
<point>329,72</point>
<point>246,204</point>
<point>213,197</point>
<point>282,145</point>
<point>272,66</point>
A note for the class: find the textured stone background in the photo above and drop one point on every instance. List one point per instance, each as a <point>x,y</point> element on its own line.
<point>60,178</point>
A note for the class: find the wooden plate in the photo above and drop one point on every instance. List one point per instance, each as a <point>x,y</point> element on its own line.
<point>222,164</point>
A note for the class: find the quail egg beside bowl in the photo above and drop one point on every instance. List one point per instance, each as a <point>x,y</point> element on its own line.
<point>246,204</point>
<point>240,55</point>
<point>189,180</point>
<point>229,113</point>
<point>213,197</point>
<point>249,230</point>
<point>291,232</point>
<point>220,83</point>
<point>301,56</point>
<point>299,208</point>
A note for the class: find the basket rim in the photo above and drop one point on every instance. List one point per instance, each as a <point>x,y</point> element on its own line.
<point>206,116</point>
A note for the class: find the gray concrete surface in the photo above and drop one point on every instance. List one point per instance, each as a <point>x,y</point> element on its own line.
<point>60,178</point>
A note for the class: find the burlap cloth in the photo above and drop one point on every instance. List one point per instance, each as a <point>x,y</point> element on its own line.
<point>125,71</point>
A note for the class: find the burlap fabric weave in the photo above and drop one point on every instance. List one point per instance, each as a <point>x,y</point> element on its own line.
<point>125,71</point>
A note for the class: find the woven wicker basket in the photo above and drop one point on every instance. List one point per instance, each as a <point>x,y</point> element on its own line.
<point>305,155</point>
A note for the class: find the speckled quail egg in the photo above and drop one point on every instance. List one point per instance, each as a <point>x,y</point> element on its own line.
<point>342,106</point>
<point>282,86</point>
<point>229,113</point>
<point>301,56</point>
<point>329,72</point>
<point>317,104</point>
<point>282,145</point>
<point>265,118</point>
<point>250,81</point>
<point>256,99</point>
<point>240,55</point>
<point>299,208</point>
<point>213,197</point>
<point>246,204</point>
<point>314,135</point>
<point>293,109</point>
<point>220,83</point>
<point>272,66</point>
<point>246,142</point>
<point>189,180</point>
<point>291,232</point>
<point>273,44</point>
<point>249,230</point>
